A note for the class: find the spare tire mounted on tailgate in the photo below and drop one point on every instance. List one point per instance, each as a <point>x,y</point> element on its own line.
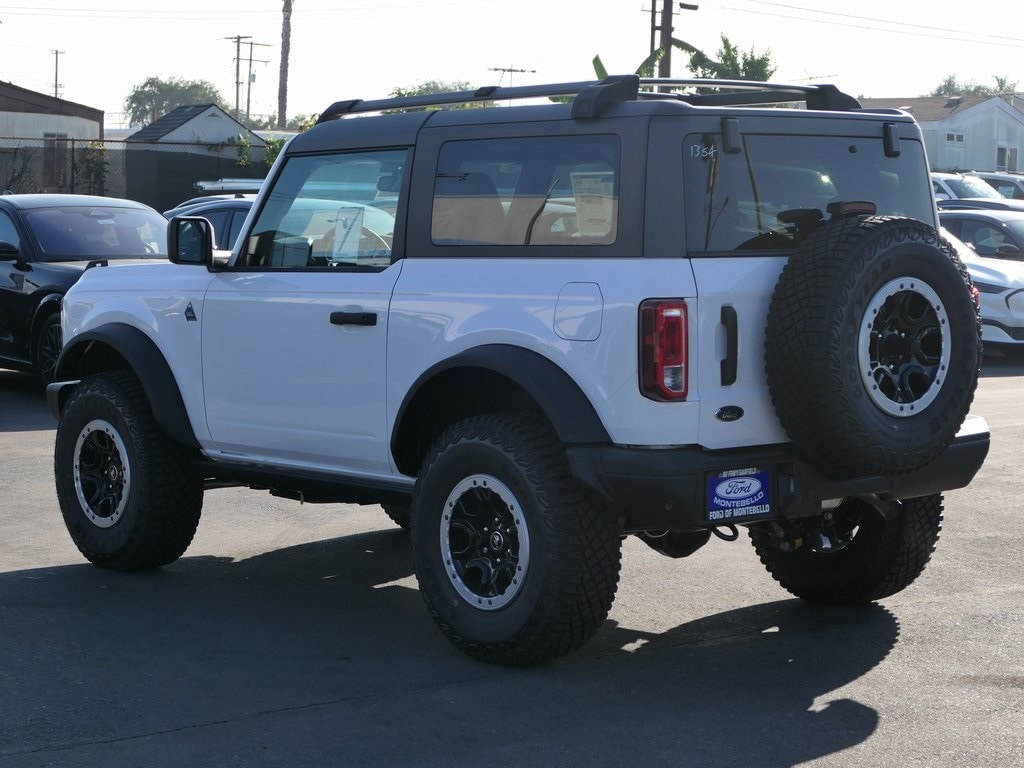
<point>873,345</point>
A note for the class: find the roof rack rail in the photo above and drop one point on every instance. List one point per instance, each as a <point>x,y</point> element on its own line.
<point>593,96</point>
<point>748,92</point>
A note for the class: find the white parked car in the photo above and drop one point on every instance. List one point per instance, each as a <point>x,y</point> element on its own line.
<point>1000,284</point>
<point>960,186</point>
<point>1006,184</point>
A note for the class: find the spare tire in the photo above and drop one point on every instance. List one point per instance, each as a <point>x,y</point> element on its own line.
<point>873,346</point>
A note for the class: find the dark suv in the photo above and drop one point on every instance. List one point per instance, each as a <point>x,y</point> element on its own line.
<point>528,331</point>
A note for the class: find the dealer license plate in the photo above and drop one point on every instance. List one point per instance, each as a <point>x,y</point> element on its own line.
<point>737,495</point>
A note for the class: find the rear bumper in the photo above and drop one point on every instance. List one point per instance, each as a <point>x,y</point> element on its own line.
<point>668,488</point>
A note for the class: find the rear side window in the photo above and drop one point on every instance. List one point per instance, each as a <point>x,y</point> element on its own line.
<point>527,191</point>
<point>779,188</point>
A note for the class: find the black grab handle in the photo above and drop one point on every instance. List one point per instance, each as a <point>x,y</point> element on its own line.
<point>353,318</point>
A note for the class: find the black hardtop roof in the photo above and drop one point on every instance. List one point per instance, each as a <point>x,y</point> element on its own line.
<point>358,124</point>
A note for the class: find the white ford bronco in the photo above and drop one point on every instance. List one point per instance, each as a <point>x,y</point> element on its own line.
<point>667,309</point>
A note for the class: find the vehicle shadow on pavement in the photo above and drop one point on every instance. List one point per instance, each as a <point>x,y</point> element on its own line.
<point>999,364</point>
<point>324,654</point>
<point>24,403</point>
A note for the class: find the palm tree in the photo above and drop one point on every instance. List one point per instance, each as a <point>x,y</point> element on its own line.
<point>282,83</point>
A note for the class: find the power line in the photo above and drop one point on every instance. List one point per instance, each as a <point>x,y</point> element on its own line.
<point>238,72</point>
<point>509,71</point>
<point>899,28</point>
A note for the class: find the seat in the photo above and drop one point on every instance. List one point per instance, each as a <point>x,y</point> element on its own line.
<point>467,209</point>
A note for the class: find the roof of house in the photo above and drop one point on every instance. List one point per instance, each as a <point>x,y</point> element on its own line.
<point>14,98</point>
<point>180,116</point>
<point>927,108</point>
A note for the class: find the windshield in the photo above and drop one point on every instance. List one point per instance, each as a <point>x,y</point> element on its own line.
<point>85,232</point>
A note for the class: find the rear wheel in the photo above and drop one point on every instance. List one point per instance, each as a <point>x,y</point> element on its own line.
<point>129,496</point>
<point>856,553</point>
<point>517,563</point>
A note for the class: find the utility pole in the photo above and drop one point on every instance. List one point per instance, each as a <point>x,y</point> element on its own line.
<point>665,62</point>
<point>56,69</point>
<point>238,72</point>
<point>248,88</point>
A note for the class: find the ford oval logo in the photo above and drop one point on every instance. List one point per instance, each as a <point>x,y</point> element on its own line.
<point>729,413</point>
<point>738,488</point>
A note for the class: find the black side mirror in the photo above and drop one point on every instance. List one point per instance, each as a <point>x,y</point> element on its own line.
<point>190,240</point>
<point>8,251</point>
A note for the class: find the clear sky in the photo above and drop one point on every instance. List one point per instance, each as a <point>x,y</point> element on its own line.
<point>343,49</point>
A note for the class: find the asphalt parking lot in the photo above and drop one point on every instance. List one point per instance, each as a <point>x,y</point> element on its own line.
<point>294,635</point>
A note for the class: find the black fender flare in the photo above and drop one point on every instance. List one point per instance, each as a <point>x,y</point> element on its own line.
<point>559,397</point>
<point>143,357</point>
<point>45,307</point>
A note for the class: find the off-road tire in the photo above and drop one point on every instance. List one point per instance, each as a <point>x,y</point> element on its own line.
<point>129,495</point>
<point>557,547</point>
<point>399,514</point>
<point>872,346</point>
<point>886,555</point>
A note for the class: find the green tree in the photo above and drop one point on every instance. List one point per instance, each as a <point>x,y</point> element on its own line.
<point>950,86</point>
<point>429,87</point>
<point>270,123</point>
<point>733,64</point>
<point>647,66</point>
<point>155,97</point>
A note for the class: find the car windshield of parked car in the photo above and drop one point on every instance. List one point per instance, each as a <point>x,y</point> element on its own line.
<point>971,186</point>
<point>71,233</point>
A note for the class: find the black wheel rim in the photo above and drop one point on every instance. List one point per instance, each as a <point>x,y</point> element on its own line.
<point>485,543</point>
<point>102,473</point>
<point>904,347</point>
<point>50,342</point>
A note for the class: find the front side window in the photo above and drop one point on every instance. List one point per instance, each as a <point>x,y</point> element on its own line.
<point>328,212</point>
<point>559,190</point>
<point>779,188</point>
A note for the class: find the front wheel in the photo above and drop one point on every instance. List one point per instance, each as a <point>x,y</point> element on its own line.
<point>129,496</point>
<point>857,553</point>
<point>48,346</point>
<point>517,562</point>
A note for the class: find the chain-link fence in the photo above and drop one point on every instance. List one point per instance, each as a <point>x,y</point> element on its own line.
<point>160,174</point>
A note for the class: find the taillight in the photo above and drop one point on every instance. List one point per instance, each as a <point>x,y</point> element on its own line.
<point>663,353</point>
